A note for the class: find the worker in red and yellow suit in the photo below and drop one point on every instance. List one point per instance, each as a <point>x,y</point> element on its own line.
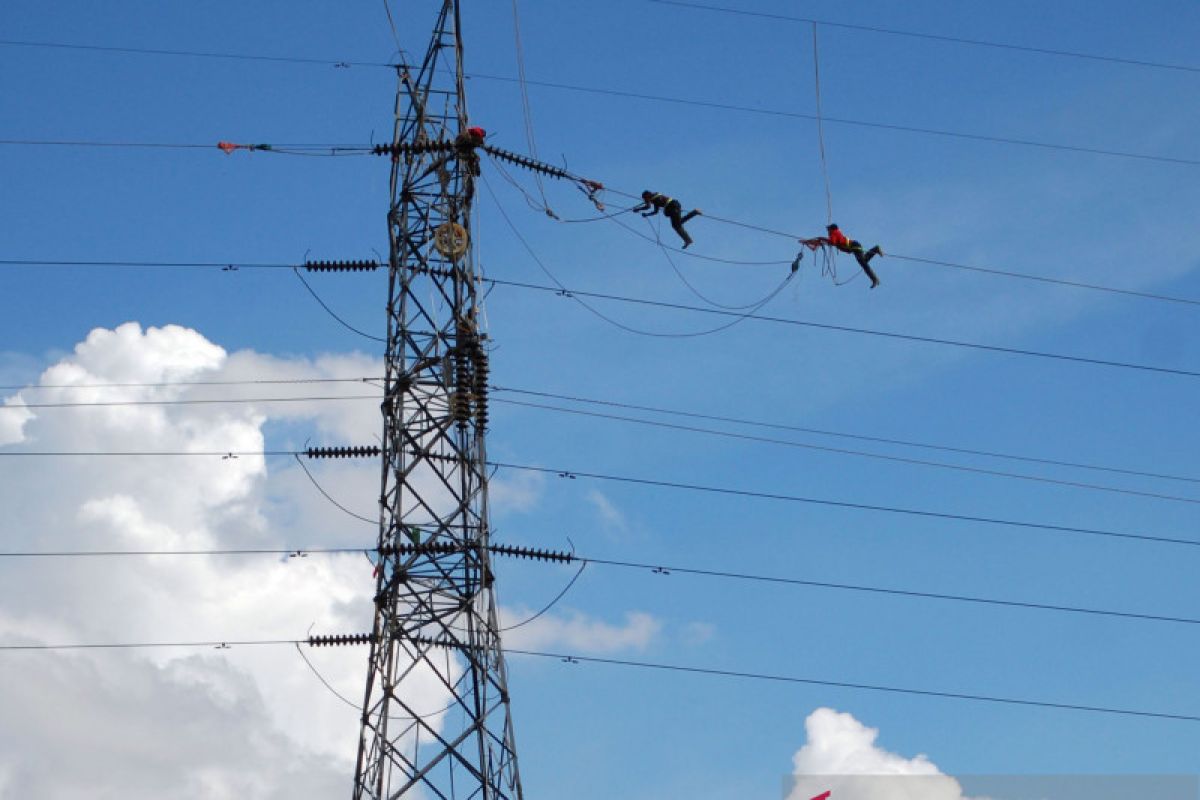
<point>835,238</point>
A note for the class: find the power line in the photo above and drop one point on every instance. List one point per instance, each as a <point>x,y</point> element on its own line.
<point>220,644</point>
<point>345,63</point>
<point>361,150</point>
<point>685,101</point>
<point>775,112</point>
<point>855,453</point>
<point>1043,279</point>
<point>841,434</point>
<point>741,316</point>
<point>166,384</point>
<point>576,399</point>
<point>278,149</point>
<point>298,552</point>
<point>721,490</point>
<point>938,37</point>
<point>850,329</point>
<point>145,453</point>
<point>211,401</point>
<point>664,569</point>
<point>222,265</point>
<point>658,568</point>
<point>692,429</point>
<point>675,668</point>
<point>365,379</point>
<point>792,498</point>
<point>725,673</point>
<point>210,265</point>
<point>130,145</point>
<point>325,62</point>
<point>236,266</point>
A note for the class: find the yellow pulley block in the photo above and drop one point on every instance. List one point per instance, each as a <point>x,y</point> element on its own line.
<point>451,239</point>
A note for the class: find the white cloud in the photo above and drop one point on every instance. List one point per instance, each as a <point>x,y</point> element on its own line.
<point>13,417</point>
<point>195,728</point>
<point>841,756</point>
<point>578,632</point>
<point>247,722</point>
<point>696,633</point>
<point>516,492</point>
<point>610,515</point>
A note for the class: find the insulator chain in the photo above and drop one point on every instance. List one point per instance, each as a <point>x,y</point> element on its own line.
<point>341,266</point>
<point>447,548</point>
<point>441,642</point>
<point>342,452</point>
<point>531,553</point>
<point>412,147</point>
<point>482,371</point>
<point>425,548</point>
<point>471,370</point>
<point>528,163</point>
<point>460,403</point>
<point>447,458</point>
<point>341,639</point>
<point>421,269</point>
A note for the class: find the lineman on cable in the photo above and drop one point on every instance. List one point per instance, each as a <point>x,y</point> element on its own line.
<point>653,202</point>
<point>836,239</point>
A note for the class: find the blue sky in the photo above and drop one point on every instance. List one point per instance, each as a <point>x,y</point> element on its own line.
<point>596,730</point>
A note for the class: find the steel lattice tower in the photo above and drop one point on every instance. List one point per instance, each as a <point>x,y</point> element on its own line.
<point>435,612</point>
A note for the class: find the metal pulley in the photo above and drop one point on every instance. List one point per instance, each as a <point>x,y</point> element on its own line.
<point>451,240</point>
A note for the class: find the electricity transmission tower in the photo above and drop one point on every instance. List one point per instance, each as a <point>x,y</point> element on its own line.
<point>435,717</point>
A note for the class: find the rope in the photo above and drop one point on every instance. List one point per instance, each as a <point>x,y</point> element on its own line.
<point>599,218</point>
<point>679,273</point>
<point>333,313</point>
<point>828,261</point>
<point>693,254</point>
<point>551,604</point>
<point>820,127</point>
<point>525,106</point>
<point>529,199</point>
<point>563,291</point>
<point>329,497</point>
<point>387,9</point>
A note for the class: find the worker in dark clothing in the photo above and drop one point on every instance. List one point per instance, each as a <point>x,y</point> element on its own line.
<point>835,238</point>
<point>653,202</point>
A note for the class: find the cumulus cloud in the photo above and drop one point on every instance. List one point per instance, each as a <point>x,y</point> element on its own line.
<point>195,500</point>
<point>247,722</point>
<point>194,728</point>
<point>13,417</point>
<point>841,756</point>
